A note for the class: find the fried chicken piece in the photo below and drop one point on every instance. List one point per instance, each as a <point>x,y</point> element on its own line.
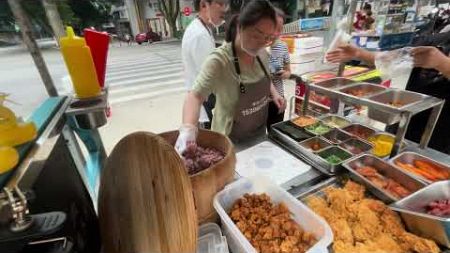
<point>368,224</point>
<point>418,244</point>
<point>374,205</point>
<point>386,243</point>
<point>392,223</point>
<point>342,231</point>
<point>357,191</point>
<point>339,200</point>
<point>320,206</point>
<point>342,247</point>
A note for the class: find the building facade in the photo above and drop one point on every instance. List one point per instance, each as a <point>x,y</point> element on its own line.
<point>139,16</point>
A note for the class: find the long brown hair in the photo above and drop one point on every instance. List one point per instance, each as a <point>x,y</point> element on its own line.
<point>145,201</point>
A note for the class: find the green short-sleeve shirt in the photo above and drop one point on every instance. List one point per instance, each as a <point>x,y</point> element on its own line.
<point>218,76</point>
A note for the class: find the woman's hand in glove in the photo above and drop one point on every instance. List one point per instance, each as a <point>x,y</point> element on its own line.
<point>188,134</point>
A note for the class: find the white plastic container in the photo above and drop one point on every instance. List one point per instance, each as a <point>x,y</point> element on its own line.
<point>211,240</point>
<point>307,219</point>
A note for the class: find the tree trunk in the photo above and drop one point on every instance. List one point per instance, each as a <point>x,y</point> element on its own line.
<point>173,27</point>
<point>51,10</point>
<point>25,28</point>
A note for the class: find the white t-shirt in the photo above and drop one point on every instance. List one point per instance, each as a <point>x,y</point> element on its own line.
<point>196,45</point>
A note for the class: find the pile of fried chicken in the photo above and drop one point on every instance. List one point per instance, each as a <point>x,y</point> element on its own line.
<point>268,227</point>
<point>363,224</point>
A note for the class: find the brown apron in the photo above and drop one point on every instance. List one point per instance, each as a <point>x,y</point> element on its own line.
<point>251,112</point>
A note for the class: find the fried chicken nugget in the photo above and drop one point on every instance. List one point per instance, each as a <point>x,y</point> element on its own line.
<point>414,243</point>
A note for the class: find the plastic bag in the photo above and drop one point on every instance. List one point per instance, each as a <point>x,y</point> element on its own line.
<point>395,65</point>
<point>340,38</point>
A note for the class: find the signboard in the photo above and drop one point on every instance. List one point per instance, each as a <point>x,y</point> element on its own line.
<point>187,11</point>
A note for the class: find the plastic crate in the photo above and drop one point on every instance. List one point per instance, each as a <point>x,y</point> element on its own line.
<point>304,216</point>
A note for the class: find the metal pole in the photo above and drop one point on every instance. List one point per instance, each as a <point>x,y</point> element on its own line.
<point>432,121</point>
<point>405,118</point>
<point>27,34</point>
<point>54,19</point>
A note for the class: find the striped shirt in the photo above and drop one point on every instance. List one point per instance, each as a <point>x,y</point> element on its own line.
<point>279,57</point>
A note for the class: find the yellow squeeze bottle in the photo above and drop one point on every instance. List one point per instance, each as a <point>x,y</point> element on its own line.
<point>78,59</point>
<point>13,133</point>
<point>9,158</point>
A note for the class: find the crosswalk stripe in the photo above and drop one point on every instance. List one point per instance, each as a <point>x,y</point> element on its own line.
<point>141,68</point>
<point>145,95</point>
<point>148,72</point>
<point>144,79</point>
<point>145,73</point>
<point>145,86</point>
<point>132,64</point>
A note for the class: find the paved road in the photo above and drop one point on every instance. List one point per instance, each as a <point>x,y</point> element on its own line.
<point>135,76</point>
<point>133,73</point>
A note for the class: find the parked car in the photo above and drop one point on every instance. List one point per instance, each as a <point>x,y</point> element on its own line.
<point>147,37</point>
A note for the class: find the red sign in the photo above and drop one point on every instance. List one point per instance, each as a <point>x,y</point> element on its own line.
<point>187,11</point>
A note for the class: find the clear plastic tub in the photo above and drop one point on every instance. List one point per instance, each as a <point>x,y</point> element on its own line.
<point>211,240</point>
<point>304,216</point>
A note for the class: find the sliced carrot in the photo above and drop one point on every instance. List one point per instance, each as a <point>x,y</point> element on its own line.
<point>423,165</point>
<point>416,171</point>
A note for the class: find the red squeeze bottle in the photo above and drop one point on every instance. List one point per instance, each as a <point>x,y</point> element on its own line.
<point>99,43</point>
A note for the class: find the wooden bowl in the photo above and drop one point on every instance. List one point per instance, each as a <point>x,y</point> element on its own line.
<point>206,183</point>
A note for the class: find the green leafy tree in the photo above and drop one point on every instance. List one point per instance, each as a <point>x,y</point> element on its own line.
<point>77,13</point>
<point>90,13</point>
<point>171,10</point>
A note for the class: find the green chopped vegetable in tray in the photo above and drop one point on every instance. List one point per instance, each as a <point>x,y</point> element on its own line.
<point>318,129</point>
<point>333,159</point>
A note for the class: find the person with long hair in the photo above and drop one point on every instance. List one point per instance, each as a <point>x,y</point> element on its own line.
<point>237,73</point>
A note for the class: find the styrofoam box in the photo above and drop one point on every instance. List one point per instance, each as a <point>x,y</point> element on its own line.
<point>305,217</point>
<point>308,42</point>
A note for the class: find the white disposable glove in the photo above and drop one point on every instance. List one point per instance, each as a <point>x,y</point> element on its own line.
<point>188,134</point>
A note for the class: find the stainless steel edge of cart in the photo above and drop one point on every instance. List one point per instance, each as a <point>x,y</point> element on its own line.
<point>390,114</point>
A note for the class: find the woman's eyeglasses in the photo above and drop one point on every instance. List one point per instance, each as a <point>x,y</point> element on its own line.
<point>262,36</point>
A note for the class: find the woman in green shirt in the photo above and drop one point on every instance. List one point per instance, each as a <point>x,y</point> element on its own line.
<point>237,73</point>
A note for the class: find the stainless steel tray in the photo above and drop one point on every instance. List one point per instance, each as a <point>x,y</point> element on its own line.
<point>385,169</point>
<point>335,121</point>
<point>317,190</point>
<point>296,149</point>
<point>405,98</point>
<point>368,89</point>
<point>365,147</point>
<point>351,129</point>
<point>412,210</point>
<point>337,151</point>
<point>410,157</point>
<point>317,140</point>
<point>334,83</point>
<point>336,136</point>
